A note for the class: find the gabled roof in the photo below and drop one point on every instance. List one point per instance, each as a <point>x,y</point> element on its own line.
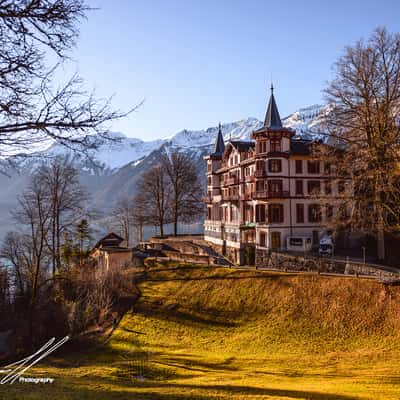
<point>110,240</point>
<point>242,145</point>
<point>239,145</point>
<point>272,118</point>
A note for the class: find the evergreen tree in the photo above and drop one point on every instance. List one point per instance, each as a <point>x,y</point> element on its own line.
<point>83,236</point>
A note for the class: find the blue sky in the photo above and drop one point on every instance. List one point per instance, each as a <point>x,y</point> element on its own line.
<point>198,62</point>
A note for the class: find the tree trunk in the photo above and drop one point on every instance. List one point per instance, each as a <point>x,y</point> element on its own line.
<point>53,242</point>
<point>381,244</point>
<point>380,226</point>
<point>58,241</point>
<point>140,232</point>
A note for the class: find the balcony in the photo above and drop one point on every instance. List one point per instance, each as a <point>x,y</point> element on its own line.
<point>245,196</point>
<point>207,199</point>
<point>233,180</point>
<point>249,179</point>
<point>230,197</point>
<point>271,195</point>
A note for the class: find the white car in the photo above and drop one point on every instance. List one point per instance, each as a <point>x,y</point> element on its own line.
<point>326,246</point>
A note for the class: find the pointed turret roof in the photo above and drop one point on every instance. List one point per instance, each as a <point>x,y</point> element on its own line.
<point>272,118</point>
<point>219,146</point>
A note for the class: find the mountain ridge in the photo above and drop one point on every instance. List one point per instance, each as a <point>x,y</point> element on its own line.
<point>307,122</point>
<point>113,172</point>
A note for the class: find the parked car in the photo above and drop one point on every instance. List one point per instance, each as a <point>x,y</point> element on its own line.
<point>326,246</point>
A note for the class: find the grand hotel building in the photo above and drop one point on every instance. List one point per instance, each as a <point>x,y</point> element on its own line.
<point>261,193</point>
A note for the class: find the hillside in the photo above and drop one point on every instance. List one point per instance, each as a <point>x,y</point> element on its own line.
<point>201,333</point>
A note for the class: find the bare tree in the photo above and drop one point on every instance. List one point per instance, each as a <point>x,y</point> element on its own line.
<point>155,193</point>
<point>139,214</point>
<point>16,249</point>
<point>32,108</point>
<point>186,205</point>
<point>34,213</point>
<point>67,201</point>
<point>123,218</point>
<point>364,122</point>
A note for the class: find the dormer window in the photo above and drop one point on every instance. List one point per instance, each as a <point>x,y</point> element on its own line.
<point>276,145</point>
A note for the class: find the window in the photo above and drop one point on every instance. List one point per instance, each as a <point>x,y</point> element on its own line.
<point>260,213</point>
<point>327,168</point>
<point>276,213</point>
<point>275,186</point>
<point>263,241</point>
<point>260,167</point>
<point>313,167</point>
<point>341,186</point>
<point>300,213</point>
<point>328,187</point>
<point>329,212</point>
<point>275,240</point>
<point>260,186</point>
<point>343,213</point>
<point>275,145</point>
<point>314,213</point>
<point>209,213</point>
<point>209,166</point>
<point>296,241</point>
<point>299,166</point>
<point>275,165</point>
<point>299,187</point>
<point>262,146</point>
<point>313,187</point>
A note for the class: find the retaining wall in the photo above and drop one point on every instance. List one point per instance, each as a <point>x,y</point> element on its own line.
<point>308,263</point>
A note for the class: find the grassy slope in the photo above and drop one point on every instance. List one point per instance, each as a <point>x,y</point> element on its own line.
<point>202,333</point>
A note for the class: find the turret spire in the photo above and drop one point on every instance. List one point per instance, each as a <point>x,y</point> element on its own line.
<point>272,118</point>
<point>219,146</point>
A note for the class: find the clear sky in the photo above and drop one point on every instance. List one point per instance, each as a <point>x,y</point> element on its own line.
<point>198,62</point>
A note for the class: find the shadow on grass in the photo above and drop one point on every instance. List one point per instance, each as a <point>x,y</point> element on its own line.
<point>228,391</point>
<point>109,388</point>
<point>269,276</point>
<point>152,310</point>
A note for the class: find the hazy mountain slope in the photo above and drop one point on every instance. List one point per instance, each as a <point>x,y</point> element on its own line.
<point>118,165</point>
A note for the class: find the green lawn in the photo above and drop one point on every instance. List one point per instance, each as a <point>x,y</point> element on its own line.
<point>200,332</point>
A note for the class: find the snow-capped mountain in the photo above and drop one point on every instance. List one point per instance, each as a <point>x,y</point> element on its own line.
<point>308,122</point>
<point>118,164</point>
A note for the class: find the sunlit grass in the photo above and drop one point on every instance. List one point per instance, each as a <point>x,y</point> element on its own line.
<point>200,332</point>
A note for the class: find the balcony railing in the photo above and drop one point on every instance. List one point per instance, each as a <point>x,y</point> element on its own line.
<point>233,180</point>
<point>259,173</point>
<point>230,197</point>
<point>282,194</point>
<point>249,178</point>
<point>245,196</point>
<point>207,199</point>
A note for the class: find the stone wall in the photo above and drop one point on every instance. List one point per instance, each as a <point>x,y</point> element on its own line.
<point>189,257</point>
<point>307,263</point>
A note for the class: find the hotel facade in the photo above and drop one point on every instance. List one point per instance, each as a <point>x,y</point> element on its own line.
<point>267,193</point>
